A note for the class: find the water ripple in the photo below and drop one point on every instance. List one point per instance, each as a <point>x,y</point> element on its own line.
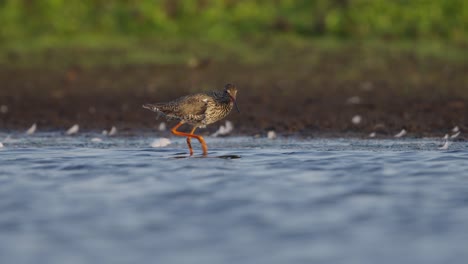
<point>251,201</point>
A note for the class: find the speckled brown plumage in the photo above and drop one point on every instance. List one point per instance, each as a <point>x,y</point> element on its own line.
<point>197,110</point>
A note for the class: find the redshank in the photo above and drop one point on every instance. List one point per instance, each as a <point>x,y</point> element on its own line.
<point>197,110</point>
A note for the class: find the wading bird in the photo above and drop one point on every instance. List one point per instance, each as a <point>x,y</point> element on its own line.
<point>197,110</point>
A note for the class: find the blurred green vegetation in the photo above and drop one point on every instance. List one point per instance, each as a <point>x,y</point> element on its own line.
<point>220,19</point>
<point>38,24</point>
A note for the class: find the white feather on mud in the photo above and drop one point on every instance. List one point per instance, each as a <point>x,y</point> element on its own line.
<point>73,130</point>
<point>455,135</point>
<point>113,131</point>
<point>445,146</point>
<point>31,130</point>
<point>224,130</point>
<point>402,133</point>
<point>271,134</point>
<point>160,142</point>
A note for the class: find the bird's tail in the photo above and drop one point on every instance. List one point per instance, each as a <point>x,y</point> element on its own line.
<point>151,107</point>
<point>154,108</point>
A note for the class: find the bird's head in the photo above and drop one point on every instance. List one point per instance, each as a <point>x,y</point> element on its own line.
<point>231,91</point>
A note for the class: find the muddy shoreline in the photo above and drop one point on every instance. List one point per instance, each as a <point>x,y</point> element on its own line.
<point>306,99</point>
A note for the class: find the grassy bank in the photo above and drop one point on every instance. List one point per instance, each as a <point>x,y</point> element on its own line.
<point>117,50</point>
<point>58,33</point>
<point>220,19</point>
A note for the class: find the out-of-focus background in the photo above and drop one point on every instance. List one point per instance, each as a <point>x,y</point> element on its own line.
<point>301,66</point>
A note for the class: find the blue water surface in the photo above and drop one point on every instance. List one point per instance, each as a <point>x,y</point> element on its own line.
<point>252,200</point>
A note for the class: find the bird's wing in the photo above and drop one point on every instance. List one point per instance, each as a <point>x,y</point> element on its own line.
<point>193,104</point>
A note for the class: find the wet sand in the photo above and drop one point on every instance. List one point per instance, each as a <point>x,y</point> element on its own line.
<point>427,97</point>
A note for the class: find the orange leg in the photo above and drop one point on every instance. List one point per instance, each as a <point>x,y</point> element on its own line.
<point>189,143</point>
<point>189,136</point>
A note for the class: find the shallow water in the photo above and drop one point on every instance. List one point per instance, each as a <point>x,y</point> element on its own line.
<point>71,200</point>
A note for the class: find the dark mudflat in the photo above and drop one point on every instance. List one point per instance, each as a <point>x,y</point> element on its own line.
<point>425,96</point>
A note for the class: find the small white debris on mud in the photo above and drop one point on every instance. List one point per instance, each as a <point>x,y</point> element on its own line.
<point>356,119</point>
<point>445,146</point>
<point>73,130</point>
<point>1,145</point>
<point>162,126</point>
<point>96,140</point>
<point>31,130</point>
<point>455,135</point>
<point>4,109</point>
<point>160,142</point>
<point>402,133</point>
<point>271,134</point>
<point>372,135</point>
<point>354,100</point>
<point>113,131</point>
<point>224,130</point>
